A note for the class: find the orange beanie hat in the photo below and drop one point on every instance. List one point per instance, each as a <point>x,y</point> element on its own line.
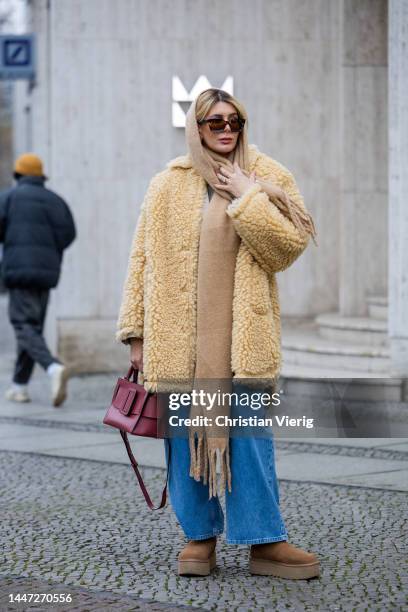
<point>29,164</point>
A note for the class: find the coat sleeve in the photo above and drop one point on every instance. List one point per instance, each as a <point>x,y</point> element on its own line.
<point>63,225</point>
<point>67,230</point>
<point>131,314</point>
<point>271,238</point>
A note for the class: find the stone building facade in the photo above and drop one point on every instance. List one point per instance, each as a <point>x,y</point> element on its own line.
<point>314,77</point>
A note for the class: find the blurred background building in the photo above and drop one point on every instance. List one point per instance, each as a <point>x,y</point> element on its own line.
<point>315,78</point>
<point>9,17</point>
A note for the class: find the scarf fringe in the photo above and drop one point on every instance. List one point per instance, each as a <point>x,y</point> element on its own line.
<point>203,464</point>
<point>300,218</point>
<point>198,447</point>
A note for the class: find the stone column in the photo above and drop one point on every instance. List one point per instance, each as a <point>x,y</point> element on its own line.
<point>363,213</point>
<point>398,185</point>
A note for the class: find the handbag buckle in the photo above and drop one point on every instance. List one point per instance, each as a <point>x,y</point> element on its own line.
<point>124,400</point>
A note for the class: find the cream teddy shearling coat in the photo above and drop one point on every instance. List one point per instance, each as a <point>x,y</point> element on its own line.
<point>160,291</point>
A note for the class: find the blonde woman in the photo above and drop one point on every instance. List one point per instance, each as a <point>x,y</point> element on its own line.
<point>201,303</point>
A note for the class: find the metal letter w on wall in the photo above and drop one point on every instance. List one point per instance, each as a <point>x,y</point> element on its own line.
<point>181,97</point>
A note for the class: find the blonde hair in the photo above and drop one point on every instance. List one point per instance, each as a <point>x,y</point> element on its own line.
<point>207,98</point>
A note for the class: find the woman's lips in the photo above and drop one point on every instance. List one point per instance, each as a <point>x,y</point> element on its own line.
<point>225,140</point>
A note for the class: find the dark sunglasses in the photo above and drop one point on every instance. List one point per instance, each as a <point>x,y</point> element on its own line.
<point>219,124</point>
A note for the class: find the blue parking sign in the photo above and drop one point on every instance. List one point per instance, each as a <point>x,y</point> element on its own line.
<point>17,56</point>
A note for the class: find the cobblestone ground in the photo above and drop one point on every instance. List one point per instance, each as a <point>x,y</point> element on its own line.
<point>80,599</point>
<point>82,527</point>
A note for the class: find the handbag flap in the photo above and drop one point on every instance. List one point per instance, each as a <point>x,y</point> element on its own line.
<point>149,408</point>
<point>130,399</point>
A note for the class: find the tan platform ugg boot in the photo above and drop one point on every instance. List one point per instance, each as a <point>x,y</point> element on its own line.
<point>283,560</point>
<point>197,558</point>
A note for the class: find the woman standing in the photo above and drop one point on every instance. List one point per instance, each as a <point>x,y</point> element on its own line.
<point>201,303</point>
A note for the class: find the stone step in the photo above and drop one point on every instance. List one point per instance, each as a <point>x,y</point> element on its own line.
<point>302,345</point>
<point>305,381</point>
<point>377,307</point>
<point>355,330</point>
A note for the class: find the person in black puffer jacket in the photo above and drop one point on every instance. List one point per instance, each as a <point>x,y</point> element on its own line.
<point>36,226</point>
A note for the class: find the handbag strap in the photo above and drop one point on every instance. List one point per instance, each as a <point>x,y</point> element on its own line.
<point>139,476</point>
<point>133,371</point>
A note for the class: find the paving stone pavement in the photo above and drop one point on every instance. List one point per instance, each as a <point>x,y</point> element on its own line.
<point>82,527</point>
<point>281,445</point>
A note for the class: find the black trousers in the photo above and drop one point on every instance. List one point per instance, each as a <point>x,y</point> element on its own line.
<point>27,311</point>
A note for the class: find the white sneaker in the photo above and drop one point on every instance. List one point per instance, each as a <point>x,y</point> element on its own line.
<point>17,396</point>
<point>59,379</point>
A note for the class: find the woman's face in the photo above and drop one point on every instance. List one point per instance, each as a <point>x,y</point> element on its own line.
<point>220,142</point>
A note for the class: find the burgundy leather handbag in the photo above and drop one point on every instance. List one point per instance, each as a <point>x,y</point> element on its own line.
<point>134,410</point>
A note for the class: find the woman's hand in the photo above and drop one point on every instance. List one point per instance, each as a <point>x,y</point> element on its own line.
<point>235,180</point>
<point>136,353</point>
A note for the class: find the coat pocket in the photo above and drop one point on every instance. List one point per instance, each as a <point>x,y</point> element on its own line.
<point>260,295</point>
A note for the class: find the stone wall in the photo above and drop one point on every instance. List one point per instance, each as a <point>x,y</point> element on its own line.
<point>100,115</point>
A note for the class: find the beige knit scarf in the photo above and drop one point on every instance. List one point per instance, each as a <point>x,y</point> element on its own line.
<point>218,250</point>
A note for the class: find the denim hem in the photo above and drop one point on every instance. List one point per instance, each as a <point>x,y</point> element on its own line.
<point>280,538</point>
<point>205,536</point>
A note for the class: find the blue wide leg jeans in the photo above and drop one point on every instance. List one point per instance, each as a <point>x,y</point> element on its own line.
<point>252,507</point>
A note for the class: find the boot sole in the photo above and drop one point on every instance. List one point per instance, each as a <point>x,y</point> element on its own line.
<point>61,394</point>
<point>264,567</point>
<point>195,567</point>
